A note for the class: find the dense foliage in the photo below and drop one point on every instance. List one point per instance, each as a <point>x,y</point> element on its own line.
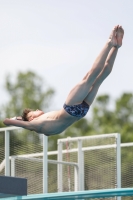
<point>29,90</point>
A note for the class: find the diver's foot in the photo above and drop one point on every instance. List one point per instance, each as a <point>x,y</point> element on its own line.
<point>112,38</point>
<point>119,36</point>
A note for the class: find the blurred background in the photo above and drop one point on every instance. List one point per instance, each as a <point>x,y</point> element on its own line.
<point>47,46</point>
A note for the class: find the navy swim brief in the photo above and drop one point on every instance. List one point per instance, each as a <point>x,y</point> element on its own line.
<point>79,110</point>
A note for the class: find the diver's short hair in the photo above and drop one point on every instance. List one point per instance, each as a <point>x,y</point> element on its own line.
<point>25,113</point>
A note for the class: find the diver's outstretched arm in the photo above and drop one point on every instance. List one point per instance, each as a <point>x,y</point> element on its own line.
<point>18,123</point>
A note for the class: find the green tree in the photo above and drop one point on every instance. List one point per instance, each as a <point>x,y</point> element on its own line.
<point>102,116</point>
<point>80,128</point>
<point>27,90</point>
<point>105,119</point>
<point>118,119</point>
<point>124,116</point>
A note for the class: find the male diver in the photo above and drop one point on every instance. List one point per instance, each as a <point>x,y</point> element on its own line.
<point>80,97</point>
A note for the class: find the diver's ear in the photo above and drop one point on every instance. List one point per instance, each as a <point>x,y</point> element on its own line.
<point>30,119</point>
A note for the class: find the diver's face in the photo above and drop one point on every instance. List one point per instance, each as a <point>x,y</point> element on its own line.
<point>34,114</point>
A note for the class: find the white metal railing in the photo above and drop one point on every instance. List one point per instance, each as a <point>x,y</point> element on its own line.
<point>80,158</point>
<point>2,164</point>
<point>6,162</point>
<point>90,137</point>
<point>78,167</point>
<point>13,158</point>
<point>7,150</point>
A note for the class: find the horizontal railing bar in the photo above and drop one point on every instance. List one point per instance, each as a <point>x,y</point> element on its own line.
<point>9,128</point>
<point>63,162</point>
<point>127,144</point>
<point>88,137</point>
<point>49,161</point>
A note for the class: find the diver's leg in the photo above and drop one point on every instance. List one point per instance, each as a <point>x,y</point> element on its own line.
<point>107,68</point>
<point>81,90</point>
<point>102,76</point>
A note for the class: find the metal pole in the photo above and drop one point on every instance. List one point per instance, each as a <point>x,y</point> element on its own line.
<point>80,165</point>
<point>45,164</point>
<point>59,172</point>
<point>13,166</point>
<point>83,171</point>
<point>75,178</point>
<point>118,154</point>
<point>7,161</point>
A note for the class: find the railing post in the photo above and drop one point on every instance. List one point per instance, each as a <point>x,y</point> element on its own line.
<point>75,178</point>
<point>7,149</point>
<point>13,166</point>
<point>59,172</point>
<point>118,155</point>
<point>81,167</point>
<point>45,164</point>
<point>83,173</point>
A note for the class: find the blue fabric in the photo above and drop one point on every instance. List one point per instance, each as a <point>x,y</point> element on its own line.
<point>79,110</point>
